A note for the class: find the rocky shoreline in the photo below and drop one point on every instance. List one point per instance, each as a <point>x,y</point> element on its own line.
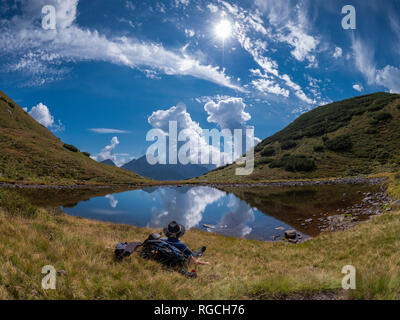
<point>372,204</point>
<point>293,183</point>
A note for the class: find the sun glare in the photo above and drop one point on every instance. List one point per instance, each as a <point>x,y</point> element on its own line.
<point>223,29</point>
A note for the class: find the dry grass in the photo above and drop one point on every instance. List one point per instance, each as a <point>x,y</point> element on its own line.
<point>240,268</point>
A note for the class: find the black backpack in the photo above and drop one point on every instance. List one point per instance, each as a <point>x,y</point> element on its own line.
<point>125,249</point>
<point>164,253</point>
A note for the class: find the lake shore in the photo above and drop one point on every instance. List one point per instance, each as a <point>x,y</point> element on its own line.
<point>282,183</point>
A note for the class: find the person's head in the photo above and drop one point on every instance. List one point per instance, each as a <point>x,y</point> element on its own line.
<point>174,230</point>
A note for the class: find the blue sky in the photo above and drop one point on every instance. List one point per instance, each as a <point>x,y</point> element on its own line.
<point>114,64</point>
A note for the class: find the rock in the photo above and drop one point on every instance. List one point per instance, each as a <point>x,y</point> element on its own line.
<point>293,241</point>
<point>61,272</point>
<point>290,234</point>
<point>308,220</point>
<point>208,226</point>
<point>395,205</point>
<point>280,228</point>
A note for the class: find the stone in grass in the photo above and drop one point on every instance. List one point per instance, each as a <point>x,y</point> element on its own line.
<point>290,234</point>
<point>395,205</point>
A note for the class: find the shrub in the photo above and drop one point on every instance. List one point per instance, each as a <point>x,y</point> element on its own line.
<point>87,154</point>
<point>398,106</point>
<point>70,147</point>
<point>383,116</point>
<point>371,131</point>
<point>264,160</point>
<point>340,143</point>
<point>319,148</point>
<point>268,151</point>
<point>288,145</point>
<point>294,163</point>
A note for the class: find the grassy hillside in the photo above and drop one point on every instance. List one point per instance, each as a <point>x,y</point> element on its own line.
<point>346,138</point>
<point>31,238</point>
<point>31,153</point>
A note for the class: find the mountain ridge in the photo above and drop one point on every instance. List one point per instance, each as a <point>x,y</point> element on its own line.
<point>356,136</point>
<point>31,153</point>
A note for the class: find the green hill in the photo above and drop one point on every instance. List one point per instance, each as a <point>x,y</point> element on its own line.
<point>31,153</point>
<point>346,138</point>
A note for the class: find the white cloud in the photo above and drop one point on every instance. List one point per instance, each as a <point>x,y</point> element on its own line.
<point>338,53</point>
<point>108,153</point>
<point>389,77</point>
<point>213,8</point>
<point>358,87</point>
<point>107,130</point>
<point>41,51</point>
<point>189,33</point>
<point>41,114</point>
<point>227,114</point>
<point>364,57</point>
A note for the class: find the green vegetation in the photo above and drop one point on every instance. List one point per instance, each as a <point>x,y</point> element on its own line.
<point>70,147</point>
<point>339,143</point>
<point>360,136</point>
<point>240,269</point>
<point>268,151</point>
<point>30,153</point>
<point>288,145</point>
<point>294,163</point>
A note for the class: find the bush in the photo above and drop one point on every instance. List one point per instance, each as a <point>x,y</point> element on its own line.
<point>87,154</point>
<point>263,161</point>
<point>371,131</point>
<point>383,116</point>
<point>294,163</point>
<point>319,148</point>
<point>70,147</point>
<point>288,145</point>
<point>340,143</point>
<point>268,151</point>
<point>398,106</point>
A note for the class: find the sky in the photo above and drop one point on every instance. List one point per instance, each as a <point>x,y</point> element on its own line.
<point>111,70</point>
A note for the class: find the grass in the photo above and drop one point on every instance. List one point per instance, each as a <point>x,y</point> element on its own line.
<point>30,153</point>
<point>241,269</point>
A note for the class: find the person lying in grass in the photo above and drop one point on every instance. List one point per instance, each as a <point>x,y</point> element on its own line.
<point>174,231</point>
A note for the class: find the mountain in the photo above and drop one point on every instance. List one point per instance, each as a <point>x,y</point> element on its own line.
<point>165,171</point>
<point>31,153</point>
<point>109,162</point>
<point>347,138</point>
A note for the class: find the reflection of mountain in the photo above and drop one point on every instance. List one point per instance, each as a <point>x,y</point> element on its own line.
<point>165,171</point>
<point>185,205</point>
<point>292,205</point>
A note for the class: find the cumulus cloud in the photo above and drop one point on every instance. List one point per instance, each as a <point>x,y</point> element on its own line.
<point>41,114</point>
<point>108,152</point>
<point>338,53</point>
<point>227,114</point>
<point>39,52</point>
<point>358,87</point>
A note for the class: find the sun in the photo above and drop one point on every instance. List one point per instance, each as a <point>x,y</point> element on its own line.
<point>223,29</point>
